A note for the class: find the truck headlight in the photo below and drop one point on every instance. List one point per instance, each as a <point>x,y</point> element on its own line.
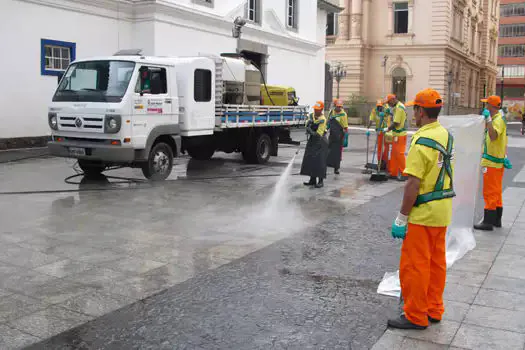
<point>52,120</point>
<point>112,123</point>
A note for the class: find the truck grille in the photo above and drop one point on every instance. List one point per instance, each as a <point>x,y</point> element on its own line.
<point>81,123</point>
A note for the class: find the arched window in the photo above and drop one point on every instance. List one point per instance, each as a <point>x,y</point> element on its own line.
<point>399,83</point>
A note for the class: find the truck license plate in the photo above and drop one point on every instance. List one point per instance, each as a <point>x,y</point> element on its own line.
<point>76,151</point>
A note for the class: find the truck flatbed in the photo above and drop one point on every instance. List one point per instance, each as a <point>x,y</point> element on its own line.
<point>247,116</point>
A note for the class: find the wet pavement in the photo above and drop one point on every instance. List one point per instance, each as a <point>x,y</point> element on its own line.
<point>210,259</point>
<point>74,250</point>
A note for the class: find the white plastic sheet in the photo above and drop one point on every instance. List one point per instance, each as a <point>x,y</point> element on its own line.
<point>468,134</point>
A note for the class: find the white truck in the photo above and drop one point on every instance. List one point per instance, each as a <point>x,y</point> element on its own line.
<point>132,110</point>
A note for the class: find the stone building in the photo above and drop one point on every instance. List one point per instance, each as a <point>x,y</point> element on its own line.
<point>449,45</point>
<point>511,56</point>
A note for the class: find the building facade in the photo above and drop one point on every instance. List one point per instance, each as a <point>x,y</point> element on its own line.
<point>285,37</point>
<point>511,56</point>
<point>448,45</point>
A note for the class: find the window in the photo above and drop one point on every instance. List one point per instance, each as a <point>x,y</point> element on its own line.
<point>457,25</point>
<point>332,24</point>
<point>513,91</point>
<point>473,39</point>
<point>401,17</point>
<point>511,71</point>
<point>492,50</point>
<point>478,51</point>
<point>95,81</point>
<point>55,56</point>
<point>202,85</point>
<point>253,10</point>
<point>291,14</point>
<point>511,50</point>
<point>510,10</point>
<point>511,30</point>
<point>157,83</point>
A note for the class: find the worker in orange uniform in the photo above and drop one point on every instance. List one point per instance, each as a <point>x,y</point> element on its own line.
<point>494,163</point>
<point>397,162</point>
<point>425,214</point>
<point>380,119</point>
<point>338,126</point>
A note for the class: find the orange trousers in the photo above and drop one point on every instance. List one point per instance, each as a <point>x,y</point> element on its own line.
<point>422,273</point>
<point>380,148</point>
<point>493,187</point>
<point>397,162</point>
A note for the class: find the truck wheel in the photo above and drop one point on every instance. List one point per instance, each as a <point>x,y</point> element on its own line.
<point>259,152</point>
<point>91,168</point>
<point>160,162</point>
<point>202,152</point>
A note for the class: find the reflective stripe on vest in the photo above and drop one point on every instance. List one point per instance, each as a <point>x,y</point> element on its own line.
<point>439,192</point>
<point>486,155</point>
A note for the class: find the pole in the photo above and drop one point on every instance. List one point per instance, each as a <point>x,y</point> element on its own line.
<point>338,82</point>
<point>385,58</point>
<point>449,92</point>
<point>502,82</point>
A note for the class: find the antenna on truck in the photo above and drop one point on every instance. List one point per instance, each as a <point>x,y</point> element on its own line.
<point>129,52</point>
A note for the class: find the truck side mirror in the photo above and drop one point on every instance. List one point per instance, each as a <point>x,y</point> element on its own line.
<point>59,77</point>
<point>145,80</point>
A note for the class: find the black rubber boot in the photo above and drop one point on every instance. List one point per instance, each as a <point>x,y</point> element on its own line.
<point>320,184</point>
<point>433,320</point>
<point>499,214</point>
<point>403,323</point>
<point>488,221</point>
<point>311,182</point>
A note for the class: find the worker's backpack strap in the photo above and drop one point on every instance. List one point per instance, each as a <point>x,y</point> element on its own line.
<point>439,191</point>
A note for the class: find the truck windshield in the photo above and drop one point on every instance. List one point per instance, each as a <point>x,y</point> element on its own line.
<point>95,81</point>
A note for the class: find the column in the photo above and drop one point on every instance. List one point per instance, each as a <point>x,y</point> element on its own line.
<point>366,20</point>
<point>410,16</point>
<point>390,18</point>
<point>356,17</point>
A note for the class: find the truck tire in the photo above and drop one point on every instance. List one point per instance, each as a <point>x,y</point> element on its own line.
<point>201,152</point>
<point>260,149</point>
<point>160,162</point>
<point>91,168</point>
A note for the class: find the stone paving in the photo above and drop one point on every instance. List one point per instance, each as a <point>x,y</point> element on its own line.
<point>70,256</point>
<point>484,294</point>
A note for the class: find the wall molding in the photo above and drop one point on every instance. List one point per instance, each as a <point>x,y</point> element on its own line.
<point>136,11</point>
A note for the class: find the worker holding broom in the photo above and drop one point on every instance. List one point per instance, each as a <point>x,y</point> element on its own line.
<point>338,126</point>
<point>379,117</point>
<point>397,162</point>
<point>315,153</point>
<point>494,163</point>
<point>425,213</point>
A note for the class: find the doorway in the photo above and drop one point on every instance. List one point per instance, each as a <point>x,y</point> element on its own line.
<point>328,85</point>
<point>399,83</point>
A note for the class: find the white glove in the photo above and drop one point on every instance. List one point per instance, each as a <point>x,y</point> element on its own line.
<point>401,220</point>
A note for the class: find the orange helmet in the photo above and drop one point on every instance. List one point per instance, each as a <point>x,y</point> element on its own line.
<point>494,101</point>
<point>428,98</point>
<point>319,106</point>
<point>339,103</point>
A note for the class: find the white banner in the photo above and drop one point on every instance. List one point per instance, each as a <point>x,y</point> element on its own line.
<point>468,134</point>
